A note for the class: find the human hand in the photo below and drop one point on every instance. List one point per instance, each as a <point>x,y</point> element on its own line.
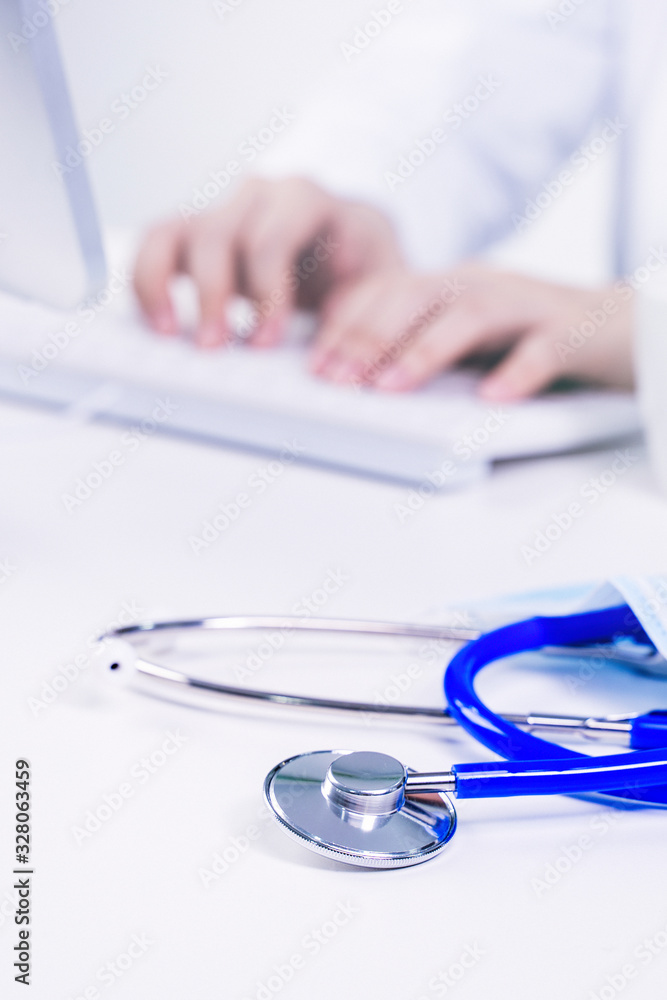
<point>397,330</point>
<point>283,244</point>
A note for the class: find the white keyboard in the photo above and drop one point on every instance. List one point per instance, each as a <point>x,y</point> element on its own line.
<point>110,367</point>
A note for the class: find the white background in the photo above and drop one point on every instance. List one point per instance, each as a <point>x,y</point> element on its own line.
<point>226,73</point>
<point>140,871</point>
<point>73,572</point>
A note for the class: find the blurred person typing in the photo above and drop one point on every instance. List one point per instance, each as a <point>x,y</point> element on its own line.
<point>453,129</point>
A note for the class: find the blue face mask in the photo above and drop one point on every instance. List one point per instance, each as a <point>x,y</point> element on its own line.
<point>646,595</point>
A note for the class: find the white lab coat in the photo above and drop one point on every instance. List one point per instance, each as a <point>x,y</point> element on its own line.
<point>524,94</point>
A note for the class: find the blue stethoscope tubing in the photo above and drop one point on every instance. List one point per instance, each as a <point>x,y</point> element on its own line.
<point>638,777</point>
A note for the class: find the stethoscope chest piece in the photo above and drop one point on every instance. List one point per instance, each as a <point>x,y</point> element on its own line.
<point>352,807</point>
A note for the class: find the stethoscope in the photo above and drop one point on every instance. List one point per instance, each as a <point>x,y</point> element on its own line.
<point>368,809</point>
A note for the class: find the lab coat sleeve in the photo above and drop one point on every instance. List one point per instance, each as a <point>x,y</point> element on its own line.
<point>453,118</point>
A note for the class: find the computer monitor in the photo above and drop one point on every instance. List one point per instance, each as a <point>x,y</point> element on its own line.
<point>50,243</point>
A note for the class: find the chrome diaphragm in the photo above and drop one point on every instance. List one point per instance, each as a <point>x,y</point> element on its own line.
<point>353,807</point>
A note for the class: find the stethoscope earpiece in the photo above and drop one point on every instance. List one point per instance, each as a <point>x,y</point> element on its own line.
<point>117,657</point>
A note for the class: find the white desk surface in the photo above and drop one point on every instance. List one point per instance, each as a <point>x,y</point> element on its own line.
<point>400,934</point>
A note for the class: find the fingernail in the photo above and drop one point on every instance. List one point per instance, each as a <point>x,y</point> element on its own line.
<point>394,379</point>
<point>269,333</point>
<point>210,335</point>
<point>336,370</point>
<point>349,371</point>
<point>496,390</point>
<point>162,320</point>
<point>338,375</point>
<point>319,361</point>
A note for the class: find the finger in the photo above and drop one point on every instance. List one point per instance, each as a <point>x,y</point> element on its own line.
<point>400,318</point>
<point>157,263</point>
<point>441,343</point>
<point>380,337</point>
<point>210,260</point>
<point>529,367</point>
<point>266,323</point>
<point>271,246</point>
<point>348,330</point>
